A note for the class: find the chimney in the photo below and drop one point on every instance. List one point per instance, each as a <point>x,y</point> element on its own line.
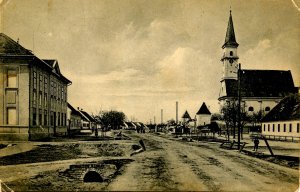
<point>176,112</point>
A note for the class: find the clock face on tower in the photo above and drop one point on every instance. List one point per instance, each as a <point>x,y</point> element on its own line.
<point>230,60</point>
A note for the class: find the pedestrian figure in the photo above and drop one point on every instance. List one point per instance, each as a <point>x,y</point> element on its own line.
<point>96,132</point>
<point>256,143</point>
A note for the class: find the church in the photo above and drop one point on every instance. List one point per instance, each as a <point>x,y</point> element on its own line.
<point>260,90</point>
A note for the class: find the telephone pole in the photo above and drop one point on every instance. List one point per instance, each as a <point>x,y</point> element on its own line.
<point>239,106</point>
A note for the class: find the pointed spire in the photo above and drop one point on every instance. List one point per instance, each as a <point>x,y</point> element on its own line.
<point>186,115</point>
<point>203,110</point>
<point>230,36</point>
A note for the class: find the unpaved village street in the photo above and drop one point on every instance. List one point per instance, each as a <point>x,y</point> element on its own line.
<point>174,165</point>
<point>168,164</point>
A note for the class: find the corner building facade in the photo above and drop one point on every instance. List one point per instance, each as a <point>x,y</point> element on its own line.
<point>33,94</point>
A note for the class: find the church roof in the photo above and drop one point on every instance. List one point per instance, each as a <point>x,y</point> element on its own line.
<point>186,115</point>
<point>287,109</point>
<point>262,83</point>
<point>203,110</point>
<point>230,35</point>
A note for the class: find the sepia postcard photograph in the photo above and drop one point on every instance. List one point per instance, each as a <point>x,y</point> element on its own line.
<point>149,95</point>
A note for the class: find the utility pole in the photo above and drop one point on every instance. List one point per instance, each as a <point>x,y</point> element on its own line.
<point>239,106</point>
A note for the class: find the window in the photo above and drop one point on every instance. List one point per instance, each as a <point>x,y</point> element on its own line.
<point>34,97</point>
<point>268,127</point>
<point>278,127</point>
<point>284,127</point>
<point>45,100</point>
<point>264,127</point>
<point>267,109</point>
<point>45,84</point>
<point>298,127</point>
<point>231,53</point>
<point>45,117</point>
<point>290,128</point>
<point>58,115</point>
<point>40,117</point>
<point>40,99</point>
<point>62,119</point>
<point>34,80</point>
<point>51,118</point>
<point>250,109</point>
<point>11,116</point>
<point>41,82</point>
<point>11,79</point>
<point>33,116</point>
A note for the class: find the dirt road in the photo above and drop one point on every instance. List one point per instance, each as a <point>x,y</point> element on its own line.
<point>173,165</point>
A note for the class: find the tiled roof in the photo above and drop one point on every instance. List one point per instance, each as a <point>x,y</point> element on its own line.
<point>230,36</point>
<point>10,47</point>
<point>262,83</point>
<point>90,118</point>
<point>287,109</point>
<point>203,110</point>
<point>186,115</point>
<point>73,110</point>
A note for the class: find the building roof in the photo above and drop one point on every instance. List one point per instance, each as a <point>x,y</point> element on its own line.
<point>230,40</point>
<point>287,109</point>
<point>73,110</point>
<point>12,49</point>
<point>262,83</point>
<point>186,115</point>
<point>90,118</point>
<point>203,110</point>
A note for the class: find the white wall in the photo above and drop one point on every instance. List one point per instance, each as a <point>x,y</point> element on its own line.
<point>267,128</point>
<point>203,119</point>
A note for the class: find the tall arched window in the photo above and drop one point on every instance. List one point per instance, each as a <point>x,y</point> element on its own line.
<point>250,109</point>
<point>231,53</point>
<point>267,109</point>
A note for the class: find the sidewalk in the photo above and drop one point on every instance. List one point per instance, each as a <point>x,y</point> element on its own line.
<point>278,147</point>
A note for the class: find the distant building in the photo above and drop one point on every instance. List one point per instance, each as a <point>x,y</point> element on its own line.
<point>203,115</point>
<point>33,97</point>
<point>186,117</point>
<point>260,90</point>
<point>284,119</point>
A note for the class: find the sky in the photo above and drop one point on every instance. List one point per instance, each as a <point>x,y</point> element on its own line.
<point>141,56</point>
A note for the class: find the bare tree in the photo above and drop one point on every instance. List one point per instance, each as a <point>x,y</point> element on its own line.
<point>230,116</point>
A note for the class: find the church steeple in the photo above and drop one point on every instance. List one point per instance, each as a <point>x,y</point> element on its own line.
<point>230,40</point>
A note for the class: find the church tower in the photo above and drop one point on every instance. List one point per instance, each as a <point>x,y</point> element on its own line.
<point>230,58</point>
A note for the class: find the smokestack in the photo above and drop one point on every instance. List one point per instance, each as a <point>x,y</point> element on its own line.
<point>162,116</point>
<point>176,112</point>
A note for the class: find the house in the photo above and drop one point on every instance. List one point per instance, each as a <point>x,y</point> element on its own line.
<point>203,115</point>
<point>90,118</point>
<point>284,119</point>
<point>260,90</point>
<point>33,97</point>
<point>86,121</point>
<point>74,119</point>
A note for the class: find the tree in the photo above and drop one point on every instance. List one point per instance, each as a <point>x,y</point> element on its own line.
<point>112,119</point>
<point>230,116</point>
<point>255,118</point>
